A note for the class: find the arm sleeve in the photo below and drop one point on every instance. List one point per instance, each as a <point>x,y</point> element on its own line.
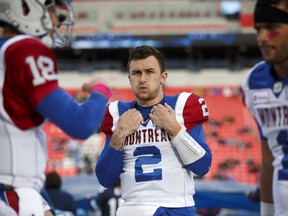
<point>201,166</point>
<point>78,121</point>
<point>109,165</point>
<point>245,87</point>
<point>195,111</point>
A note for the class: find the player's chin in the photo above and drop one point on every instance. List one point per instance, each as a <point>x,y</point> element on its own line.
<point>270,60</point>
<point>143,96</point>
<point>268,54</point>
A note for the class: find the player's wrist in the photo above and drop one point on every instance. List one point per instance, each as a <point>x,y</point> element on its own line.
<point>118,138</point>
<point>267,209</point>
<point>122,132</point>
<point>188,148</point>
<point>102,89</point>
<point>116,144</point>
<point>173,131</point>
<point>116,147</point>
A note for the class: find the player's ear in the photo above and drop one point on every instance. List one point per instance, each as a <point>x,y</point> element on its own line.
<point>164,76</point>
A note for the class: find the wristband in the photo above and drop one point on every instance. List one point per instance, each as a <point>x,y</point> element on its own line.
<point>103,89</point>
<point>188,149</point>
<point>266,209</point>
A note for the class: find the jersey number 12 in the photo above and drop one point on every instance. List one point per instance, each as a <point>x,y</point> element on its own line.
<point>42,69</point>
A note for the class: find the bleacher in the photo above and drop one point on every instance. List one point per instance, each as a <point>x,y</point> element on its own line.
<point>230,132</point>
<point>239,142</point>
<point>152,17</point>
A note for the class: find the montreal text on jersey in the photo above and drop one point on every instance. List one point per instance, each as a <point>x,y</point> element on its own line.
<point>150,135</point>
<point>274,116</point>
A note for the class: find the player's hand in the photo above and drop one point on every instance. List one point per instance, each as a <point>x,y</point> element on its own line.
<point>87,87</point>
<point>164,117</point>
<point>97,85</point>
<point>130,121</point>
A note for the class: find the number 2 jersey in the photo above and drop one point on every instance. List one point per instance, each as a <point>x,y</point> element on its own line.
<point>153,173</point>
<point>266,96</point>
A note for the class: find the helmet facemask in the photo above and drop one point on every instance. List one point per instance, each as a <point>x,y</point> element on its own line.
<point>63,32</point>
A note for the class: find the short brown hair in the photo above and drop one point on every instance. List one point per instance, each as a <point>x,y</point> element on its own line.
<point>143,52</point>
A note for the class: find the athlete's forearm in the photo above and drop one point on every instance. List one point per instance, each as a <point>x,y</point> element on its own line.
<point>202,166</point>
<point>109,166</point>
<point>193,150</point>
<point>173,130</point>
<point>118,138</point>
<point>266,175</point>
<point>78,121</point>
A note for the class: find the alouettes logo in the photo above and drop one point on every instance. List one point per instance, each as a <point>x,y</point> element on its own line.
<point>260,96</point>
<point>277,88</point>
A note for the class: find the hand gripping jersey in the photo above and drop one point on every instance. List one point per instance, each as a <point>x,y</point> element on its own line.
<point>267,98</point>
<point>153,173</point>
<point>23,145</point>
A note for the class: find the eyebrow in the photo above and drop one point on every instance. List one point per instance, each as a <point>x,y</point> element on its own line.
<point>147,69</point>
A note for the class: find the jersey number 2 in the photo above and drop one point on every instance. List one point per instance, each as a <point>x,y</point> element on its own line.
<point>204,107</point>
<point>147,155</point>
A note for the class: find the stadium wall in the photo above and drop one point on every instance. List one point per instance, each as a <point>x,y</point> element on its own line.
<point>176,78</point>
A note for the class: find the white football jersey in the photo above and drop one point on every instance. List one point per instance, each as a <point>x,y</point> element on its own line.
<point>153,173</point>
<point>23,153</point>
<point>267,98</point>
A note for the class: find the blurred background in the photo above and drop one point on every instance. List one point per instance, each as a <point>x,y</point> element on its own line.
<point>209,47</point>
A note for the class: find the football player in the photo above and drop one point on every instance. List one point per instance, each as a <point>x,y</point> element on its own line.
<point>155,143</point>
<point>30,94</point>
<point>266,95</point>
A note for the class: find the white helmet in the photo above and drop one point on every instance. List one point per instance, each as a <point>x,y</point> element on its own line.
<point>35,22</point>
